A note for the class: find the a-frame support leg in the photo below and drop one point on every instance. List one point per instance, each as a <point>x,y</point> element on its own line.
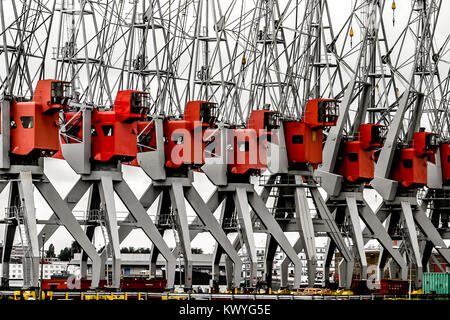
<point>10,232</point>
<point>93,203</point>
<point>391,222</point>
<point>271,244</point>
<point>304,219</point>
<point>229,264</point>
<point>335,235</point>
<point>177,198</point>
<point>330,248</point>
<point>229,268</point>
<point>431,233</point>
<point>345,267</point>
<point>107,197</point>
<point>352,210</point>
<point>208,219</point>
<point>275,230</point>
<point>345,273</point>
<point>215,274</point>
<point>271,248</point>
<point>90,230</point>
<point>375,226</point>
<point>412,236</point>
<point>147,199</point>
<point>163,209</point>
<point>30,276</point>
<point>218,251</point>
<point>64,214</point>
<point>284,267</point>
<point>140,214</point>
<point>246,228</point>
<point>73,197</point>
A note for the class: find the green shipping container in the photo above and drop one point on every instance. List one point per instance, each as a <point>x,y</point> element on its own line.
<point>438,283</point>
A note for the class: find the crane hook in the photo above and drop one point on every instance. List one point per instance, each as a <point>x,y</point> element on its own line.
<point>394,6</point>
<point>351,34</point>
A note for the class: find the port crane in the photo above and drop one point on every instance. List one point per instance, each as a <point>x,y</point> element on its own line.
<point>163,134</point>
<point>29,119</point>
<point>436,195</point>
<point>312,110</point>
<point>401,168</point>
<point>349,150</point>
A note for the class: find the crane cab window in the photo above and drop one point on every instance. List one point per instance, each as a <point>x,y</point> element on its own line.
<point>448,159</point>
<point>431,142</point>
<point>60,93</point>
<point>210,146</point>
<point>407,163</point>
<point>243,146</point>
<point>108,130</point>
<point>13,123</point>
<point>145,139</point>
<point>375,134</point>
<point>297,139</point>
<point>178,138</point>
<point>208,112</point>
<point>352,156</point>
<point>93,131</point>
<point>139,103</point>
<point>74,131</point>
<point>271,120</point>
<point>327,111</point>
<point>27,122</point>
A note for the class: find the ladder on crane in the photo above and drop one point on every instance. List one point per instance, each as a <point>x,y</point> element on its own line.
<point>100,215</point>
<point>245,256</point>
<point>27,261</point>
<point>172,221</point>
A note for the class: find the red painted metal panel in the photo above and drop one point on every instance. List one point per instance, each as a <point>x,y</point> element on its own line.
<point>303,144</point>
<point>410,164</point>
<point>321,112</point>
<point>445,162</point>
<point>355,163</point>
<point>34,124</point>
<point>114,132</point>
